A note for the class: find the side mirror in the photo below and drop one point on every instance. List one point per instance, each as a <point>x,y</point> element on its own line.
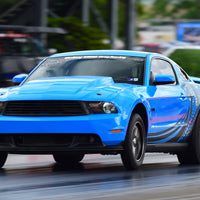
<point>19,78</point>
<point>164,79</point>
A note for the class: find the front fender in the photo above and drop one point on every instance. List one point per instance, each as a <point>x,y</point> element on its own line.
<point>126,101</point>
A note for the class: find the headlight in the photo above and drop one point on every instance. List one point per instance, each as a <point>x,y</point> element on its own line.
<point>102,107</point>
<point>109,108</point>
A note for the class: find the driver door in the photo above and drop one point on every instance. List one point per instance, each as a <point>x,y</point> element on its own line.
<point>169,105</point>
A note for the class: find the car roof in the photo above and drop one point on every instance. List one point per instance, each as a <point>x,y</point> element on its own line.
<point>105,53</point>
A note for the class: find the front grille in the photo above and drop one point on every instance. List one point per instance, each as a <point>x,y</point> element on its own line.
<point>44,108</point>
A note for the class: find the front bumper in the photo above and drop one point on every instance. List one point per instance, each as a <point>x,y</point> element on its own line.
<point>99,124</point>
<point>51,143</point>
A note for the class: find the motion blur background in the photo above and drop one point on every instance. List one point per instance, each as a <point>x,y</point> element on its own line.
<point>170,27</point>
<point>30,30</point>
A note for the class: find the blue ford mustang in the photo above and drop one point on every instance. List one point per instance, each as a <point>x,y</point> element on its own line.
<point>108,102</point>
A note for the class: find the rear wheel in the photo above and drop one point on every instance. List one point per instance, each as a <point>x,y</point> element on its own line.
<point>68,158</point>
<point>3,157</point>
<point>192,155</point>
<point>135,144</point>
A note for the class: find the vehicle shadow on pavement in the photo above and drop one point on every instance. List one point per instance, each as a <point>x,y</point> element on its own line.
<point>99,167</point>
<point>153,169</point>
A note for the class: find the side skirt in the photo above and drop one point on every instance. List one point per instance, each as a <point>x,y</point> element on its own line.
<point>167,147</point>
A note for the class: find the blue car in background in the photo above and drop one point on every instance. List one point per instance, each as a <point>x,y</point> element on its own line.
<point>108,102</point>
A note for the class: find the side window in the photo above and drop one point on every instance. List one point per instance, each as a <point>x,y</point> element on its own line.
<point>160,67</point>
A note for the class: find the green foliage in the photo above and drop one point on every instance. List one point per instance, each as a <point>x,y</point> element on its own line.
<point>78,37</point>
<point>188,59</point>
<point>160,7</point>
<point>181,9</point>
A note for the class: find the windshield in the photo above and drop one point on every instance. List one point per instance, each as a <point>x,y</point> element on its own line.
<point>120,68</point>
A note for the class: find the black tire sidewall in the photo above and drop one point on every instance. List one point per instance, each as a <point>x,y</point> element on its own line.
<point>128,158</point>
<point>194,143</point>
<point>192,153</point>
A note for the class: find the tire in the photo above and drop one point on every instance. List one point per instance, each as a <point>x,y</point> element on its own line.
<point>135,144</point>
<point>67,158</point>
<point>3,158</point>
<point>192,154</point>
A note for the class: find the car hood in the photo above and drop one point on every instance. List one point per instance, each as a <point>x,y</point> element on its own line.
<point>70,88</point>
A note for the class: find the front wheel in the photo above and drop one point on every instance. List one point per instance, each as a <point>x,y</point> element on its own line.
<point>135,143</point>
